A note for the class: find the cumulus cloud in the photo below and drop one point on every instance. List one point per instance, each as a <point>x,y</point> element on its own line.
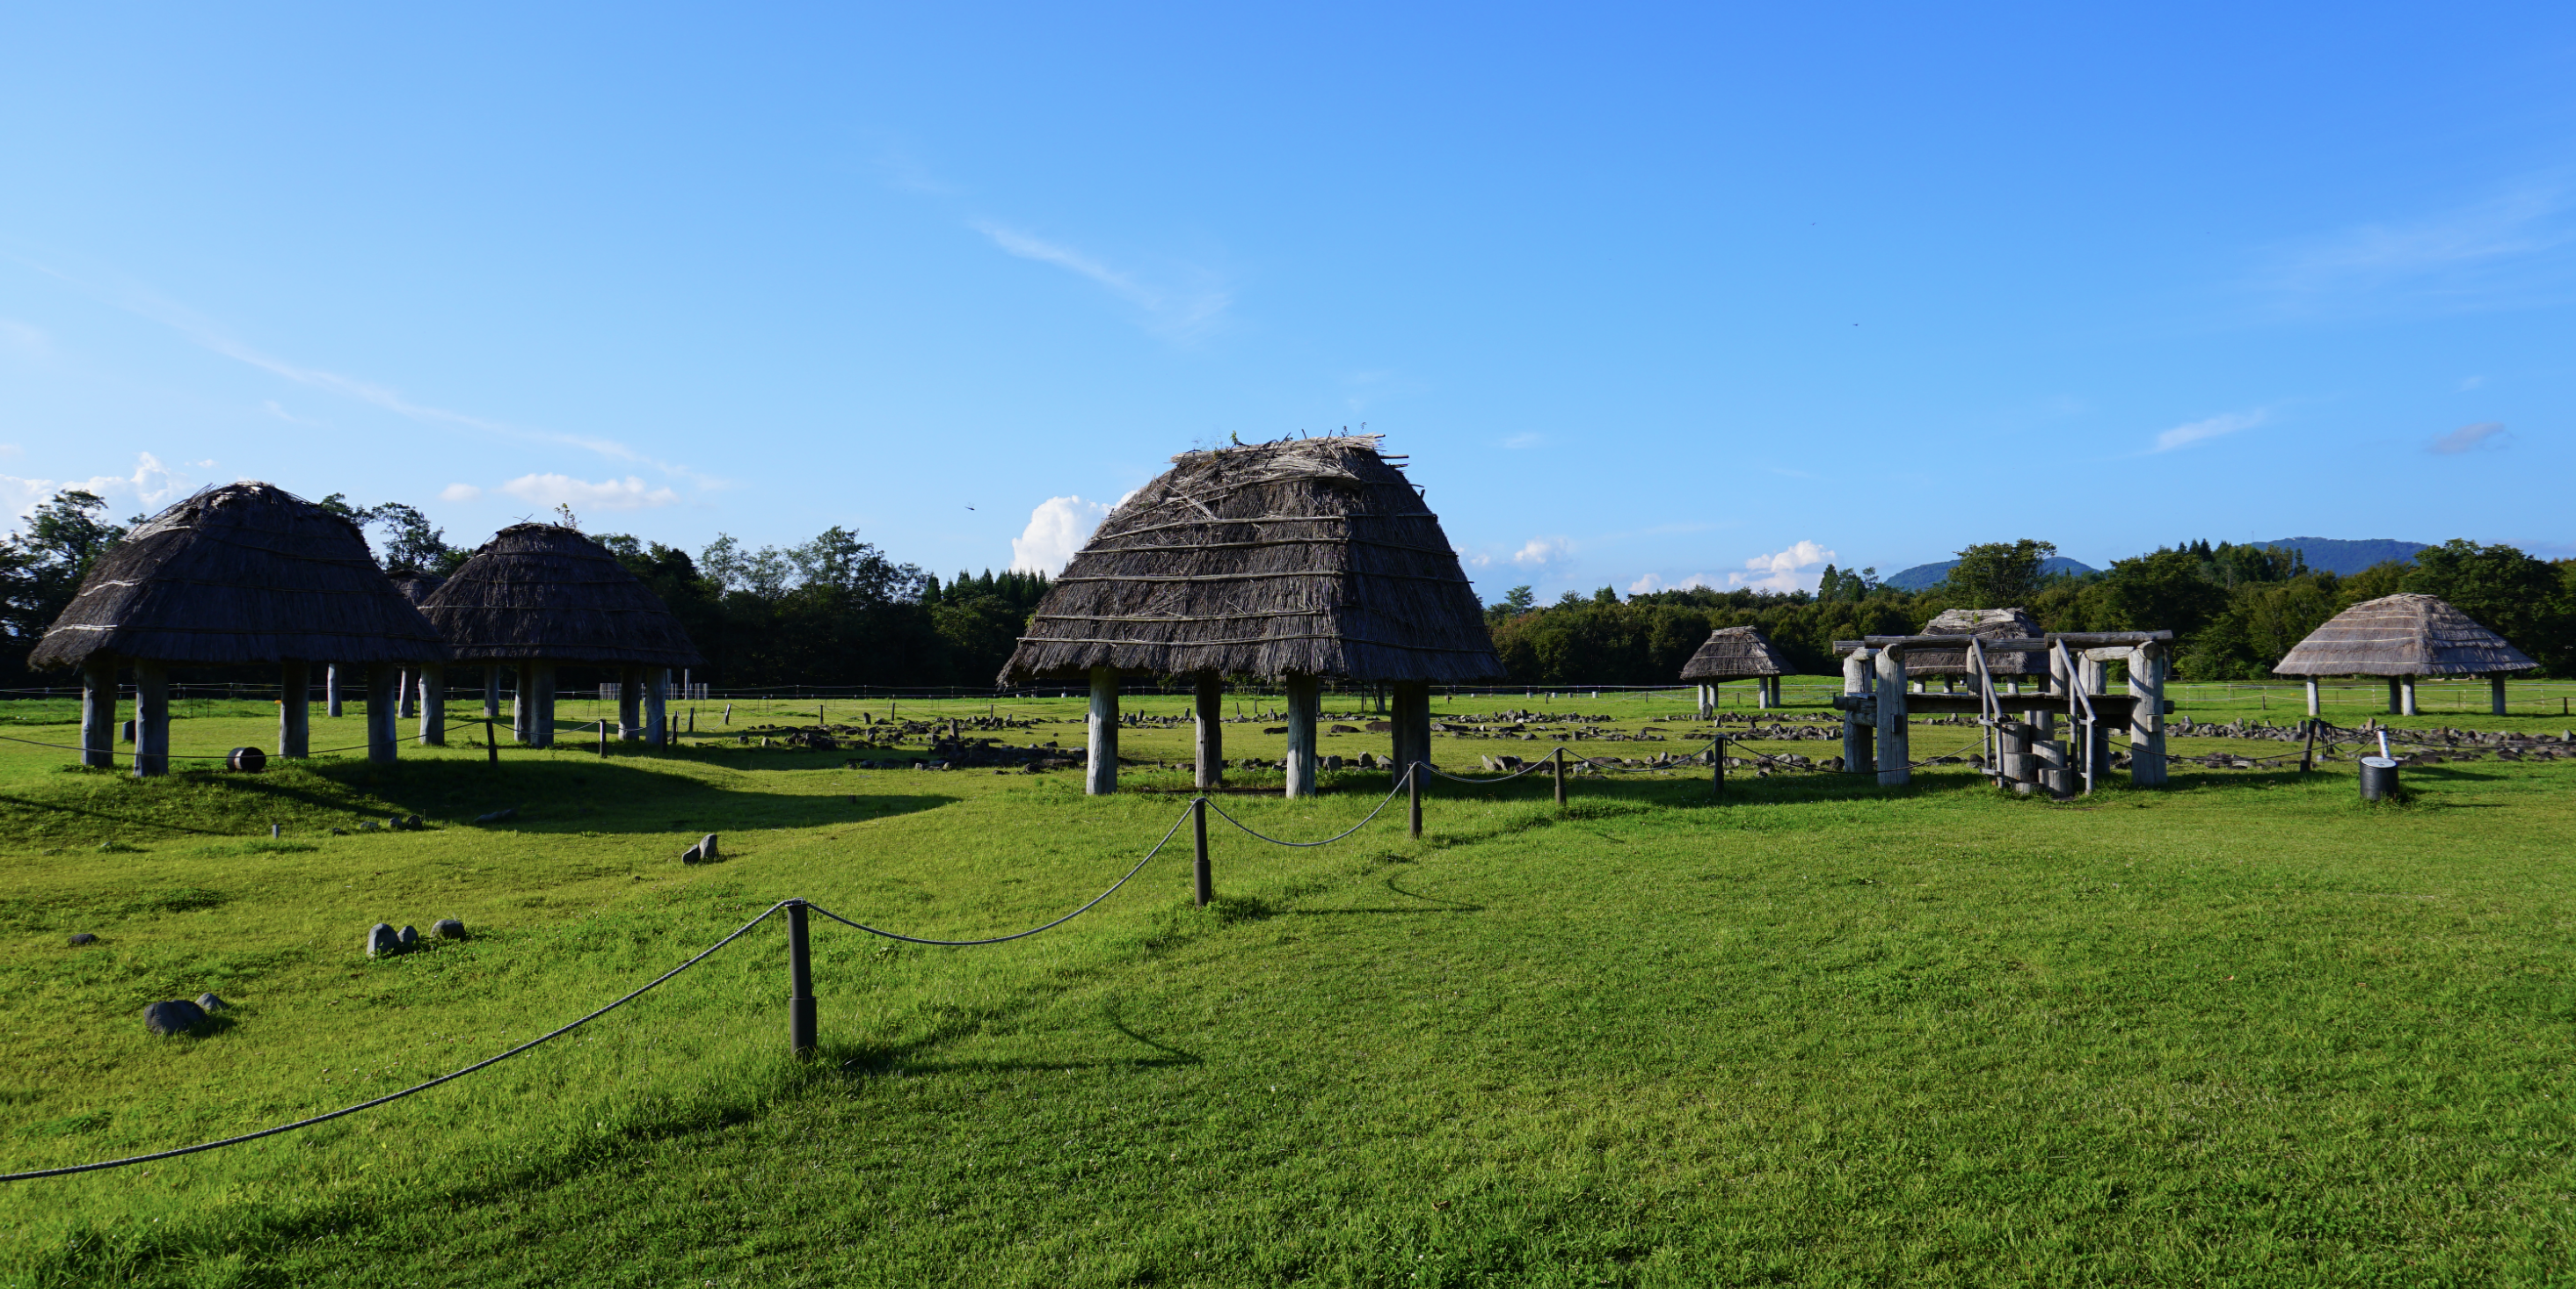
<point>1539,552</point>
<point>1784,570</point>
<point>460,492</point>
<point>153,484</point>
<point>2196,431</point>
<point>1651,582</point>
<point>2468,437</point>
<point>552,490</point>
<point>1057,529</point>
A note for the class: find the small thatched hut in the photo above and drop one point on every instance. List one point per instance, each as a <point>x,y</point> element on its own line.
<point>1736,653</point>
<point>2402,637</point>
<point>1300,560</point>
<point>538,595</point>
<point>415,586</point>
<point>238,575</point>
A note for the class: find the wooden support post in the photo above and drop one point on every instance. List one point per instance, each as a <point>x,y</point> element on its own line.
<point>1859,736</point>
<point>630,703</point>
<point>331,705</point>
<point>98,711</point>
<point>1304,697</point>
<point>2396,700</point>
<point>491,693</point>
<point>1894,740</point>
<point>2409,693</point>
<point>1208,704</point>
<point>657,707</point>
<point>433,704</point>
<point>523,703</point>
<point>2495,695</point>
<point>1707,700</point>
<point>2012,755</point>
<point>1762,693</point>
<point>151,720</point>
<point>2147,768</point>
<point>384,710</point>
<point>402,687</point>
<point>1100,775</point>
<point>1560,778</point>
<point>541,721</point>
<point>2313,697</point>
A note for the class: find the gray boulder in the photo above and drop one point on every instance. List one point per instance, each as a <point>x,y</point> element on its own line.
<point>381,942</point>
<point>408,938</point>
<point>83,937</point>
<point>174,1017</point>
<point>447,929</point>
<point>210,1002</point>
<point>707,851</point>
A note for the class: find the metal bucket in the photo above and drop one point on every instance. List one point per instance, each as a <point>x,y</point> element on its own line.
<point>2378,778</point>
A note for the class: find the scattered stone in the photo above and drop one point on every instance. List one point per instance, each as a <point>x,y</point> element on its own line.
<point>211,1003</point>
<point>497,816</point>
<point>692,856</point>
<point>408,938</point>
<point>176,1016</point>
<point>339,832</point>
<point>447,929</point>
<point>381,942</point>
<point>707,849</point>
<point>83,937</point>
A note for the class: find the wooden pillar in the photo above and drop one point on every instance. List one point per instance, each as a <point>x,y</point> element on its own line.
<point>630,703</point>
<point>491,691</point>
<point>2147,716</point>
<point>1209,701</point>
<point>1859,739</point>
<point>331,690</point>
<point>523,704</point>
<point>2012,755</point>
<point>1762,692</point>
<point>657,707</point>
<point>404,685</point>
<point>1707,700</point>
<point>1893,741</point>
<point>294,708</point>
<point>433,704</point>
<point>384,711</point>
<point>2396,700</point>
<point>1100,777</point>
<point>541,714</point>
<point>151,720</point>
<point>2313,696</point>
<point>98,711</point>
<point>2408,693</point>
<point>2050,749</point>
<point>1305,695</point>
<point>2495,695</point>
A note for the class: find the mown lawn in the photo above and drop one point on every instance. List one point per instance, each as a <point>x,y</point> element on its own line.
<point>2241,1031</point>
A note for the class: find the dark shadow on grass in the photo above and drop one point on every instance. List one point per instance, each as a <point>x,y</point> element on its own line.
<point>1428,904</point>
<point>902,1059</point>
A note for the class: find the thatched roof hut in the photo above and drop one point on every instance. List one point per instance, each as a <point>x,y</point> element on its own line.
<point>2403,635</point>
<point>1992,624</point>
<point>1735,653</point>
<point>242,574</point>
<point>543,591</point>
<point>1303,557</point>
<point>413,583</point>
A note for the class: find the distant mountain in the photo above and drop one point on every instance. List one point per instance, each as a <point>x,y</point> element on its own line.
<point>2336,555</point>
<point>1923,577</point>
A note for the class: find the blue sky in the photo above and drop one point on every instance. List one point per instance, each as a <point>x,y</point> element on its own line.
<point>1647,294</point>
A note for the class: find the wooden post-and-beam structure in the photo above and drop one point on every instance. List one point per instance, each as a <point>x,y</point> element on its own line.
<point>2027,752</point>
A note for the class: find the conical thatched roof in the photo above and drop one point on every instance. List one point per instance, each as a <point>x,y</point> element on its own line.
<point>1993,624</point>
<point>414,584</point>
<point>1306,556</point>
<point>244,573</point>
<point>2402,635</point>
<point>540,591</point>
<point>1735,653</point>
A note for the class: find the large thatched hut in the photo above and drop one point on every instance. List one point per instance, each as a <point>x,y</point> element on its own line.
<point>417,682</point>
<point>1736,653</point>
<point>2403,637</point>
<point>540,595</point>
<point>1301,560</point>
<point>241,575</point>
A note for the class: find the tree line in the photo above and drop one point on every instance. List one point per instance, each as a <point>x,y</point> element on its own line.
<point>2234,610</point>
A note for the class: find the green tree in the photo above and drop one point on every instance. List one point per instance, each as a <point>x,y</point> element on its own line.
<point>1998,575</point>
<point>2510,593</point>
<point>41,568</point>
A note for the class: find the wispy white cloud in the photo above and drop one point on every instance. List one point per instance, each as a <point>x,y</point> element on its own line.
<point>1784,570</point>
<point>273,408</point>
<point>1178,313</point>
<point>2509,250</point>
<point>460,493</point>
<point>152,484</point>
<point>1530,439</point>
<point>1057,528</point>
<point>551,490</point>
<point>2468,438</point>
<point>1541,552</point>
<point>2197,431</point>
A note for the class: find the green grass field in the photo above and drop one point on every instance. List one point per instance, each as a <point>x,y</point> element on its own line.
<point>2241,1031</point>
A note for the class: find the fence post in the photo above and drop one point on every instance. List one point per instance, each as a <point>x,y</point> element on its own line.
<point>1717,767</point>
<point>2308,758</point>
<point>603,736</point>
<point>491,744</point>
<point>800,984</point>
<point>1560,778</point>
<point>1201,871</point>
<point>1413,790</point>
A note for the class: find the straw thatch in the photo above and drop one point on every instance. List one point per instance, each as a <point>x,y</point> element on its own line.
<point>2402,635</point>
<point>414,584</point>
<point>545,592</point>
<point>245,573</point>
<point>1735,653</point>
<point>1992,624</point>
<point>1306,556</point>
